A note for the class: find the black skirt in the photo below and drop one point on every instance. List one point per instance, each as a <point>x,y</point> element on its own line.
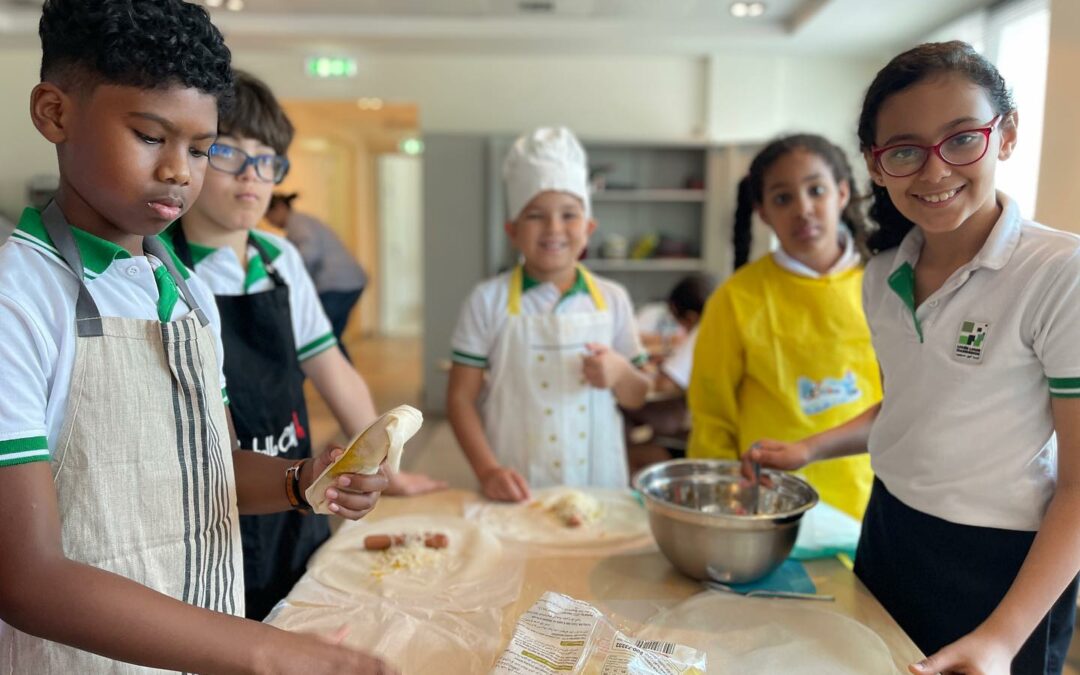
<point>940,580</point>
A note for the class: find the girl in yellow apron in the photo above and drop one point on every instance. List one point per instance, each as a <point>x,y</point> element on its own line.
<point>783,349</point>
<point>543,354</point>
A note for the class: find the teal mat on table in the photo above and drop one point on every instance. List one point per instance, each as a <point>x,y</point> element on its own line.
<point>824,532</point>
<point>791,577</point>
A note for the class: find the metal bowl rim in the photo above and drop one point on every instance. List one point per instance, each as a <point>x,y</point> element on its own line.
<point>698,515</point>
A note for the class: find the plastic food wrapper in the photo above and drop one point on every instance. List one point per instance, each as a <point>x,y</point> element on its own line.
<point>758,636</point>
<point>559,634</point>
<point>384,439</point>
<point>619,525</point>
<point>473,572</point>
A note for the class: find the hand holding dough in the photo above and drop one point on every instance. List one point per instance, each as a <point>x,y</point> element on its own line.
<point>384,439</point>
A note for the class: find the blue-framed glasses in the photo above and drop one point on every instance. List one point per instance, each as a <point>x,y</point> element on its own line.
<point>233,160</point>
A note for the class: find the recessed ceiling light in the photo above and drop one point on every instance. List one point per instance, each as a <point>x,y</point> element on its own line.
<point>214,3</point>
<point>234,5</point>
<point>744,10</point>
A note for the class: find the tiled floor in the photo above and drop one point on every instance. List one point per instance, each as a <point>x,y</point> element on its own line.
<point>392,369</point>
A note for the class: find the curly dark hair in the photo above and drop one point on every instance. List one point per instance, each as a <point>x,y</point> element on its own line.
<point>907,70</point>
<point>138,43</point>
<point>255,113</point>
<point>752,186</point>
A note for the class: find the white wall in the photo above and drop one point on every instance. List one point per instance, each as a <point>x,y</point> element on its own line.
<point>23,152</point>
<point>1059,171</point>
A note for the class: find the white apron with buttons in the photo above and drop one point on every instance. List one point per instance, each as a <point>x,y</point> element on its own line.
<point>542,417</point>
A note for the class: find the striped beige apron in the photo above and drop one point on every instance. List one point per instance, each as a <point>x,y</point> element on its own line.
<point>142,467</point>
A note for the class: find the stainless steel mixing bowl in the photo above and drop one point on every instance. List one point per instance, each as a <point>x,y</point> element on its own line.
<point>701,514</point>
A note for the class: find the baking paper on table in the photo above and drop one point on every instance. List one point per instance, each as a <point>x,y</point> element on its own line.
<point>621,525</point>
<point>759,636</point>
<point>559,634</point>
<point>417,641</point>
<point>474,571</point>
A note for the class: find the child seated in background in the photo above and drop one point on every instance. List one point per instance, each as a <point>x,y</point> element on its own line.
<point>544,354</point>
<point>657,432</point>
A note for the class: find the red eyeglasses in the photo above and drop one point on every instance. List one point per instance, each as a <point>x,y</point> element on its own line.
<point>959,149</point>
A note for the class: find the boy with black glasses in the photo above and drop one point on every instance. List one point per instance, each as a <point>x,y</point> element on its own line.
<point>274,331</point>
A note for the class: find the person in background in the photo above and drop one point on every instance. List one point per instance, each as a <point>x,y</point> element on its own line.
<point>339,278</point>
<point>783,349</point>
<point>119,543</point>
<point>971,540</point>
<point>275,333</point>
<point>665,418</point>
<point>543,354</point>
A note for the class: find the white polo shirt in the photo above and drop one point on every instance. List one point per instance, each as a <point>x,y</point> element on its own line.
<point>965,431</point>
<point>680,364</point>
<point>37,321</point>
<point>221,271</point>
<point>485,313</point>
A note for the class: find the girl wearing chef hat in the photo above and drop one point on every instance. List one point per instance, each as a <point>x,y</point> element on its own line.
<point>544,354</point>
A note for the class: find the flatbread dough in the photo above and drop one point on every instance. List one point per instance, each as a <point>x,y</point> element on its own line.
<point>384,439</point>
<point>620,519</point>
<point>750,636</point>
<point>453,575</point>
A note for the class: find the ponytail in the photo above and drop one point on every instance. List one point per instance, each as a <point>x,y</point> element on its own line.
<point>744,213</point>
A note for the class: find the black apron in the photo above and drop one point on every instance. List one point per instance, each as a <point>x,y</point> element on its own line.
<point>266,398</point>
<point>940,580</point>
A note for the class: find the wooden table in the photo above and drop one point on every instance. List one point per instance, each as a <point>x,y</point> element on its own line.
<point>633,587</point>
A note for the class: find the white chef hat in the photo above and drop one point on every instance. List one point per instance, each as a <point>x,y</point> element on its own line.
<point>549,158</point>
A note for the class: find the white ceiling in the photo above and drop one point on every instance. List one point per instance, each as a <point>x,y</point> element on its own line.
<point>567,26</point>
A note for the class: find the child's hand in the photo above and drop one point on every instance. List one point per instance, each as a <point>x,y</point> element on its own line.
<point>404,484</point>
<point>603,367</point>
<point>505,485</point>
<point>973,654</point>
<point>775,455</point>
<point>310,654</point>
<point>352,495</point>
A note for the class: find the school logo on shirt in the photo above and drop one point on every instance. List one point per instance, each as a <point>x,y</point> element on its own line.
<point>817,397</point>
<point>971,341</point>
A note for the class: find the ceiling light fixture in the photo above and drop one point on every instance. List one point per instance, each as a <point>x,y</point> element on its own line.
<point>747,10</point>
<point>370,104</point>
<point>214,3</point>
<point>234,5</point>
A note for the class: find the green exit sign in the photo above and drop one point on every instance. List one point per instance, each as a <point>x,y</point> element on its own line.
<point>326,67</point>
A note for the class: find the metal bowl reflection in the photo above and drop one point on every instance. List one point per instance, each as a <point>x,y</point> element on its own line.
<point>702,516</point>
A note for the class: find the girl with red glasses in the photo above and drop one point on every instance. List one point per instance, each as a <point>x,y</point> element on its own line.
<point>970,539</point>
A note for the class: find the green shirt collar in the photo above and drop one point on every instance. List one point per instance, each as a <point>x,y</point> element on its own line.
<point>256,269</point>
<point>528,283</point>
<point>96,253</point>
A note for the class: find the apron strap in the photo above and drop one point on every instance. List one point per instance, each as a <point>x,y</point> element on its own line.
<point>517,281</point>
<point>267,264</point>
<point>513,302</point>
<point>594,292</point>
<point>87,315</point>
<point>156,248</point>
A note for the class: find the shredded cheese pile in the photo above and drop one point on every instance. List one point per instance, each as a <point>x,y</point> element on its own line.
<point>411,556</point>
<point>573,508</point>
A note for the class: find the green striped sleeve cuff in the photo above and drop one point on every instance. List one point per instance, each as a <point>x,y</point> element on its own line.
<point>317,346</point>
<point>640,360</point>
<point>24,451</point>
<point>466,359</point>
<point>1065,387</point>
